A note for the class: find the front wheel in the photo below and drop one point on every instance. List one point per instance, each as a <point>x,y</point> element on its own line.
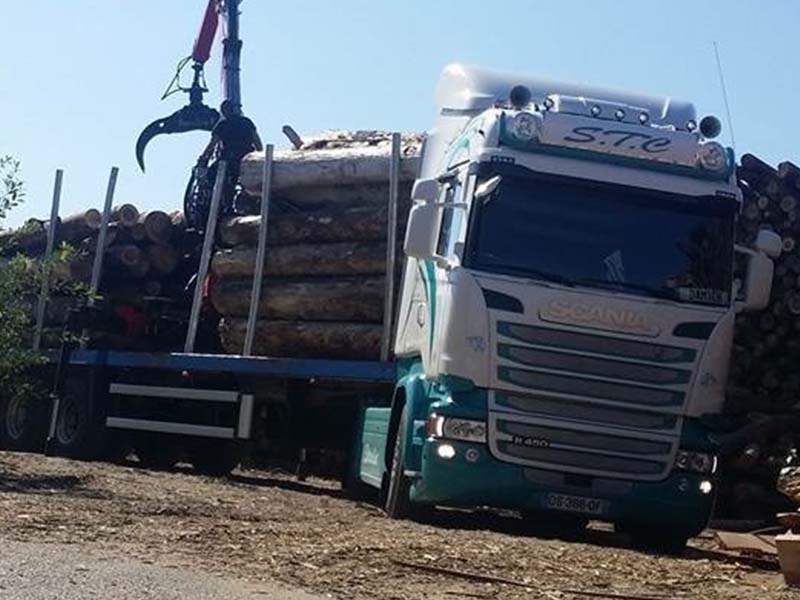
<point>398,502</point>
<point>554,525</point>
<point>656,539</point>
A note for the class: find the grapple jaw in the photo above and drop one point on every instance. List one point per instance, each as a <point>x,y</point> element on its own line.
<point>195,116</point>
<point>192,117</point>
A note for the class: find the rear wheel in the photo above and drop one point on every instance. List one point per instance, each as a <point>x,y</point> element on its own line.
<point>157,453</point>
<point>215,458</point>
<point>398,502</point>
<point>21,423</point>
<point>74,432</point>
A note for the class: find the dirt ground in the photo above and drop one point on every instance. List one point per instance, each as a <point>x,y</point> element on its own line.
<point>265,526</point>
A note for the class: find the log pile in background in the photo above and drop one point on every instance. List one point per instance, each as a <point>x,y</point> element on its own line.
<point>764,385</point>
<point>323,290</point>
<point>143,252</point>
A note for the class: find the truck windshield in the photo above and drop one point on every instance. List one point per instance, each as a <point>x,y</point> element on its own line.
<point>667,246</point>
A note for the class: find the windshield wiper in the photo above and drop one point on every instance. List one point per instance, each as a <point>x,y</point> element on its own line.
<point>624,285</point>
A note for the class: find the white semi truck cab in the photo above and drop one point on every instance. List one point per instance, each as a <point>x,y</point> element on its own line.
<point>567,308</point>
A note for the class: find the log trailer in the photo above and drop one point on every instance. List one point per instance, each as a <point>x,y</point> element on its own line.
<point>562,334</point>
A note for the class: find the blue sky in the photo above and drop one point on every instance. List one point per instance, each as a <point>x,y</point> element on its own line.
<point>80,79</point>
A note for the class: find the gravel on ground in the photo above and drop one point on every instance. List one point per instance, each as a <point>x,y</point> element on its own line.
<point>260,526</point>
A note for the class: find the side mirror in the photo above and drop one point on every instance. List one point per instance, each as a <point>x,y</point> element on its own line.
<point>758,281</point>
<point>420,240</point>
<point>768,242</point>
<point>425,190</point>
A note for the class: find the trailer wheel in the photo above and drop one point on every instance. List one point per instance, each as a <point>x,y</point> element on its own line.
<point>215,458</point>
<point>156,453</point>
<point>74,431</point>
<point>398,502</point>
<point>21,423</point>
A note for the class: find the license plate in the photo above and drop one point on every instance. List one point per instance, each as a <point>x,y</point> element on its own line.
<point>578,504</point>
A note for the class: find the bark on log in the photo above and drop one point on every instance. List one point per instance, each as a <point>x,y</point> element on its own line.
<point>126,215</point>
<point>304,339</point>
<point>357,300</point>
<point>32,237</point>
<point>357,224</point>
<point>307,168</point>
<point>337,198</point>
<point>341,258</point>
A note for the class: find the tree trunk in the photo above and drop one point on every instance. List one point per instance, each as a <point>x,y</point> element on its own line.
<point>304,339</point>
<point>325,168</point>
<point>163,258</point>
<point>32,237</point>
<point>357,300</point>
<point>352,225</point>
<point>343,258</point>
<point>126,215</point>
<point>157,226</point>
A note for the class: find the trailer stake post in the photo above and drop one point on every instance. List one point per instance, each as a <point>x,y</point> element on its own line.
<point>261,253</point>
<point>205,256</point>
<point>391,247</point>
<point>48,253</point>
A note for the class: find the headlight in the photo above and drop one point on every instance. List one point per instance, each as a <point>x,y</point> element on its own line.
<point>711,156</point>
<point>465,430</point>
<point>525,126</point>
<point>696,462</point>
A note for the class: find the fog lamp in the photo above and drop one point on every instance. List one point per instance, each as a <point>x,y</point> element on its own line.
<point>446,451</point>
<point>706,487</point>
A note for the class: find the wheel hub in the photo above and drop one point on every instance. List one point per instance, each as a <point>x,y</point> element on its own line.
<point>68,422</point>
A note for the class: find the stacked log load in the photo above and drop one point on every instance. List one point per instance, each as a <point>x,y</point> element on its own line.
<point>764,386</point>
<point>143,253</point>
<point>324,278</point>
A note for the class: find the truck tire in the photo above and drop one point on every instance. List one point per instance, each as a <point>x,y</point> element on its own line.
<point>554,525</point>
<point>156,453</point>
<point>655,539</point>
<point>215,458</point>
<point>398,502</point>
<point>22,423</point>
<point>75,433</point>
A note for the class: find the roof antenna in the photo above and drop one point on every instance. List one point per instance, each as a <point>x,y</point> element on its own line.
<point>725,96</point>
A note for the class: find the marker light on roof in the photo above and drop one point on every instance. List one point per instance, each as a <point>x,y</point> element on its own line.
<point>644,118</point>
<point>520,96</point>
<point>710,127</point>
<point>596,111</point>
<point>525,127</point>
<point>711,156</point>
<point>619,114</point>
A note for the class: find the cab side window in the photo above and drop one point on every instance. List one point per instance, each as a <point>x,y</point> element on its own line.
<point>452,218</point>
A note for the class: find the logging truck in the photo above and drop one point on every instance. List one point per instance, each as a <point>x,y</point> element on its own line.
<point>561,332</point>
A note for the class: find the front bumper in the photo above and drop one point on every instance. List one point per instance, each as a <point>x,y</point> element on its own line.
<point>676,502</point>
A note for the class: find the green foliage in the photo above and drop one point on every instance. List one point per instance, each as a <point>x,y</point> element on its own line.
<point>18,284</point>
<point>12,189</point>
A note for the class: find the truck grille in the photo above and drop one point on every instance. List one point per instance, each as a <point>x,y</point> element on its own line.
<point>584,403</point>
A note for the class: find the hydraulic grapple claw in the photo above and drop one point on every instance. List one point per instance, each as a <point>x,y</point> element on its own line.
<point>192,117</point>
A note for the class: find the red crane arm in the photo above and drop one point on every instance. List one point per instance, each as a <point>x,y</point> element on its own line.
<point>205,39</point>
